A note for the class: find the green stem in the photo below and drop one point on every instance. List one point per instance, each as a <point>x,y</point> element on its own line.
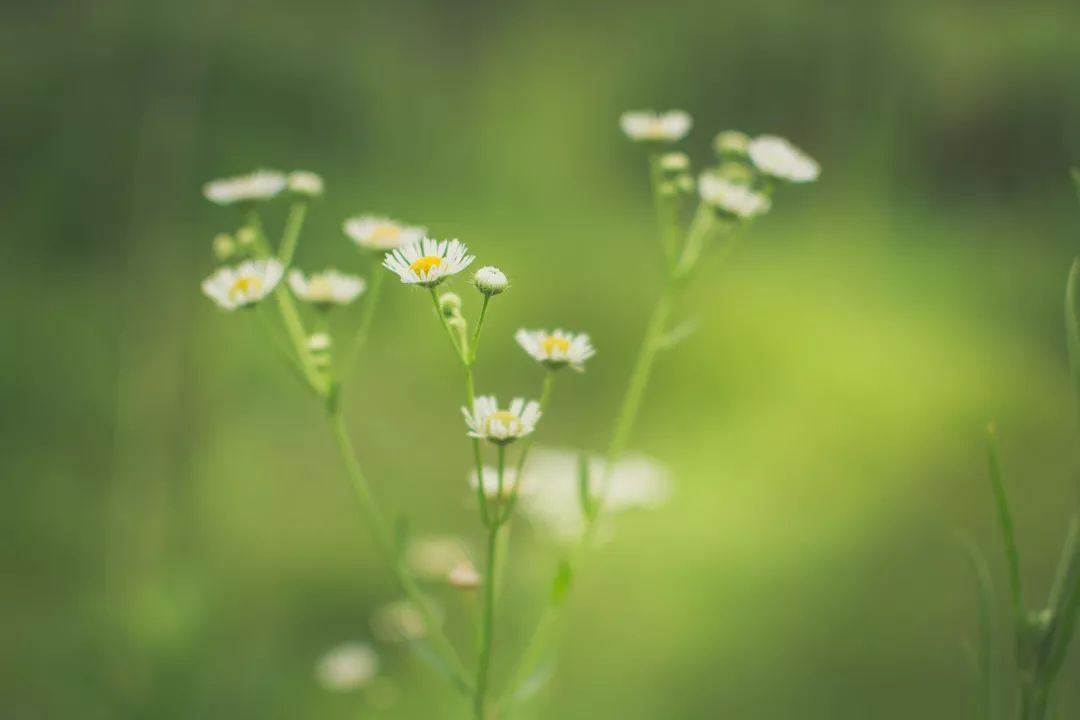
<point>374,290</point>
<point>487,618</point>
<point>666,213</point>
<point>281,344</point>
<point>1008,534</point>
<point>454,340</point>
<point>545,398</point>
<point>385,542</point>
<point>291,236</point>
<point>476,333</point>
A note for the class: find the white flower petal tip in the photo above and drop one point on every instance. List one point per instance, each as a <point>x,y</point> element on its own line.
<point>347,667</point>
<point>488,422</point>
<point>259,185</point>
<point>428,262</point>
<point>492,491</point>
<point>243,285</point>
<point>305,183</point>
<point>433,556</point>
<point>463,576</point>
<point>326,288</point>
<point>778,158</point>
<point>401,621</point>
<point>557,349</point>
<point>490,280</point>
<point>374,232</point>
<point>732,198</point>
<point>649,126</point>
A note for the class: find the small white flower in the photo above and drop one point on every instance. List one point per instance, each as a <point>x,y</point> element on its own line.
<point>329,287</point>
<point>373,232</point>
<point>733,198</point>
<point>463,576</point>
<point>490,280</point>
<point>777,157</point>
<point>319,342</point>
<point>302,182</point>
<point>556,349</point>
<point>259,185</point>
<point>432,557</point>
<point>491,482</point>
<point>399,621</point>
<point>488,422</point>
<point>674,162</point>
<point>246,284</point>
<point>428,262</point>
<point>347,667</point>
<point>648,126</point>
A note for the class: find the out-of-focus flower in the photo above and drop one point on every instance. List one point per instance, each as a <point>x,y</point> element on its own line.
<point>778,158</point>
<point>374,232</point>
<point>259,185</point>
<point>556,349</point>
<point>732,198</point>
<point>399,621</point>
<point>488,422</point>
<point>302,182</point>
<point>464,576</point>
<point>731,143</point>
<point>243,285</point>
<point>326,288</point>
<point>491,482</point>
<point>433,556</point>
<point>428,262</point>
<point>347,667</point>
<point>674,162</point>
<point>649,126</point>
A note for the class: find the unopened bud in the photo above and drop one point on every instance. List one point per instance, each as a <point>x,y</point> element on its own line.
<point>490,280</point>
<point>731,142</point>
<point>450,304</point>
<point>224,246</point>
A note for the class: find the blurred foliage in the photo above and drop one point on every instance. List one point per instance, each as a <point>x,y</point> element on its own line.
<point>177,537</point>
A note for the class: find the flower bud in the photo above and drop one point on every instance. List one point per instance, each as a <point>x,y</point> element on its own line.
<point>318,342</point>
<point>674,162</point>
<point>450,304</point>
<point>463,576</point>
<point>224,246</point>
<point>735,172</point>
<point>685,183</point>
<point>490,280</point>
<point>302,182</point>
<point>731,143</point>
<point>246,236</point>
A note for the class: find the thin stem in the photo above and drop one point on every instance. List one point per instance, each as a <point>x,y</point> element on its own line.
<point>281,345</point>
<point>291,236</point>
<point>476,333</point>
<point>385,542</point>
<point>666,216</point>
<point>374,290</point>
<point>487,618</point>
<point>454,341</point>
<point>519,470</point>
<point>1008,534</point>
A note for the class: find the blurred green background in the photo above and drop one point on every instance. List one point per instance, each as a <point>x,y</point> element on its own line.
<point>178,540</point>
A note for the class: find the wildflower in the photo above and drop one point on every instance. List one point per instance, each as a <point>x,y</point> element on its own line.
<point>326,288</point>
<point>434,556</point>
<point>491,482</point>
<point>302,182</point>
<point>557,349</point>
<point>463,576</point>
<point>732,198</point>
<point>674,162</point>
<point>224,246</point>
<point>347,667</point>
<point>243,285</point>
<point>648,126</point>
<point>777,157</point>
<point>318,342</point>
<point>487,421</point>
<point>731,143</point>
<point>490,280</point>
<point>399,621</point>
<point>428,262</point>
<point>373,232</point>
<point>260,185</point>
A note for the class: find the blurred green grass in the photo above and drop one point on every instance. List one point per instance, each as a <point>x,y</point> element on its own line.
<point>179,538</point>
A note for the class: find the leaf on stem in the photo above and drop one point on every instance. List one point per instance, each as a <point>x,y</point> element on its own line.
<point>1008,535</point>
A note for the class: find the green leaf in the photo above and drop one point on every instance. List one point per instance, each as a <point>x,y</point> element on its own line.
<point>1064,604</point>
<point>1072,325</point>
<point>1008,535</point>
<point>984,652</point>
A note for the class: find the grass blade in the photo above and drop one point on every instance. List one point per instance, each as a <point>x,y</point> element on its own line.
<point>987,643</point>
<point>1008,534</point>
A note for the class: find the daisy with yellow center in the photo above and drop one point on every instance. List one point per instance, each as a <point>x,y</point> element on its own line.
<point>260,185</point>
<point>374,232</point>
<point>243,285</point>
<point>488,422</point>
<point>428,262</point>
<point>557,349</point>
<point>649,126</point>
<point>327,288</point>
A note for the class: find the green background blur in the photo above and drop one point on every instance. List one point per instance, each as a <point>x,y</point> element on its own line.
<point>178,540</point>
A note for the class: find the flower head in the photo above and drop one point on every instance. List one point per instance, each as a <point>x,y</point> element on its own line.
<point>648,126</point>
<point>302,182</point>
<point>491,482</point>
<point>464,576</point>
<point>259,185</point>
<point>373,232</point>
<point>777,157</point>
<point>732,198</point>
<point>243,285</point>
<point>557,349</point>
<point>490,280</point>
<point>428,262</point>
<point>347,667</point>
<point>674,162</point>
<point>326,288</point>
<point>731,143</point>
<point>488,422</point>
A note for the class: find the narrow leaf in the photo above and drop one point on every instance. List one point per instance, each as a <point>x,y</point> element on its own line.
<point>1064,603</point>
<point>1008,535</point>
<point>1076,180</point>
<point>983,653</point>
<point>1072,325</point>
<point>584,490</point>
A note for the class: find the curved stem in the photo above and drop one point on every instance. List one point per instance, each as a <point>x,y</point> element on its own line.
<point>487,618</point>
<point>476,333</point>
<point>374,290</point>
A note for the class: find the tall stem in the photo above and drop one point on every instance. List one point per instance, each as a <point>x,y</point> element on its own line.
<point>291,236</point>
<point>487,618</point>
<point>374,290</point>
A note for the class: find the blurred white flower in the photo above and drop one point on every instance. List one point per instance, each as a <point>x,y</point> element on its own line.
<point>374,232</point>
<point>433,556</point>
<point>428,262</point>
<point>243,285</point>
<point>551,496</point>
<point>674,162</point>
<point>329,287</point>
<point>259,185</point>
<point>488,422</point>
<point>732,198</point>
<point>399,621</point>
<point>556,349</point>
<point>302,182</point>
<point>777,157</point>
<point>491,482</point>
<point>490,280</point>
<point>347,667</point>
<point>648,126</point>
<point>319,342</point>
<point>464,576</point>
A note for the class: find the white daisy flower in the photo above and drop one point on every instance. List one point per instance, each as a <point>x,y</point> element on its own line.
<point>259,185</point>
<point>428,262</point>
<point>777,157</point>
<point>373,232</point>
<point>432,557</point>
<point>491,482</point>
<point>326,288</point>
<point>648,126</point>
<point>243,285</point>
<point>347,667</point>
<point>733,198</point>
<point>490,280</point>
<point>464,576</point>
<point>488,422</point>
<point>557,349</point>
<point>302,182</point>
<point>550,493</point>
<point>400,621</point>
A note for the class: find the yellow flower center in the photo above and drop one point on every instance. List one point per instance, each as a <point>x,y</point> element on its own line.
<point>554,344</point>
<point>245,285</point>
<point>385,232</point>
<point>508,420</point>
<point>422,266</point>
